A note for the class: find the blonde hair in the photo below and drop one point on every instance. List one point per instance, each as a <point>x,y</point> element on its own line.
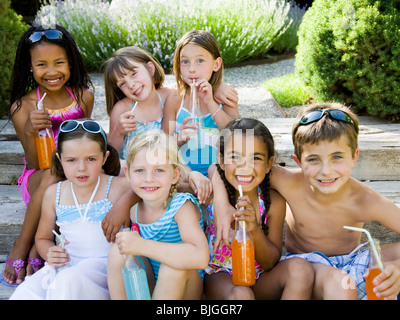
<point>155,142</point>
<point>205,40</point>
<point>324,129</point>
<point>120,61</point>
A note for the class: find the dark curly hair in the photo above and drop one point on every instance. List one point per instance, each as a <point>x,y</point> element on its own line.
<point>260,131</point>
<point>22,81</point>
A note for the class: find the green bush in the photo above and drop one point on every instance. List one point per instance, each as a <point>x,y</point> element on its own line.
<point>244,29</point>
<point>11,30</point>
<point>349,51</point>
<point>288,90</point>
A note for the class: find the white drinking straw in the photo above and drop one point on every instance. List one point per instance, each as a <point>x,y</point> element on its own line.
<point>371,243</point>
<point>243,223</point>
<point>40,102</point>
<point>60,238</point>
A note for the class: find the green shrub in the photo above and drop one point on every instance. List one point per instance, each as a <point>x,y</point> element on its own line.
<point>244,29</point>
<point>349,51</point>
<point>11,30</point>
<point>288,90</point>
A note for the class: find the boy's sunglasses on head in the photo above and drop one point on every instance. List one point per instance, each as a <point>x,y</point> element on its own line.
<point>88,125</point>
<point>316,115</point>
<point>50,34</point>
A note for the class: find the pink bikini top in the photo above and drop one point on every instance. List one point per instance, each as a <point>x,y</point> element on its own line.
<point>73,111</point>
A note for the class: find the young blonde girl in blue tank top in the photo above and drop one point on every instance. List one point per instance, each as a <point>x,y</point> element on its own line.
<point>170,223</point>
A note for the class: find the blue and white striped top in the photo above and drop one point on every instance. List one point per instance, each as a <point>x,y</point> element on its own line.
<point>166,229</point>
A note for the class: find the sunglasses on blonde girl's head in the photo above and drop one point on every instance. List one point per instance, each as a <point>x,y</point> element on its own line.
<point>50,34</point>
<point>87,125</point>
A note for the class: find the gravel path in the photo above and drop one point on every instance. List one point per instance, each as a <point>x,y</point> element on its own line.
<point>254,101</point>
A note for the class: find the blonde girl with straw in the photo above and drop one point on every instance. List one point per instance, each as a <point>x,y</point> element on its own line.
<point>170,223</point>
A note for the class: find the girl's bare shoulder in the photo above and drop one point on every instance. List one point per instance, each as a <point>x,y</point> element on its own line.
<point>122,105</point>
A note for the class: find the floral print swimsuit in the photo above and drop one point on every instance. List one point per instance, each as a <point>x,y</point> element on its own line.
<point>221,260</point>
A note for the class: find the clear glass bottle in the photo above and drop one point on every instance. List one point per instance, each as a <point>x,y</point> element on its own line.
<point>198,142</point>
<point>44,144</point>
<point>373,271</point>
<point>135,278</point>
<point>243,259</point>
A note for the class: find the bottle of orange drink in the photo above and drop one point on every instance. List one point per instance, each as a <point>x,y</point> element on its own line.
<point>45,146</point>
<point>373,271</point>
<point>44,143</point>
<point>243,260</point>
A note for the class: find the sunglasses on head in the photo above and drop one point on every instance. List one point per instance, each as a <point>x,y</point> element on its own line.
<point>50,34</point>
<point>316,115</point>
<point>88,125</point>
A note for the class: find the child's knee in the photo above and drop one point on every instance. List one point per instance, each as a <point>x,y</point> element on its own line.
<point>301,270</point>
<point>241,293</point>
<point>166,272</point>
<point>338,284</point>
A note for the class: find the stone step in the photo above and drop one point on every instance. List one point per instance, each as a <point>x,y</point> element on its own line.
<point>379,143</point>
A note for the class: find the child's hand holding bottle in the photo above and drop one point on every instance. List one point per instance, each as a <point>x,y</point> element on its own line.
<point>128,243</point>
<point>188,128</point>
<point>246,212</point>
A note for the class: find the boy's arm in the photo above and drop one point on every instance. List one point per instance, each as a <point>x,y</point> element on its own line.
<point>380,209</point>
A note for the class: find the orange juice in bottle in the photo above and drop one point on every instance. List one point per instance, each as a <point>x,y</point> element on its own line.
<point>45,146</point>
<point>374,271</point>
<point>243,260</point>
<point>370,286</point>
<point>243,257</point>
<point>44,143</point>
